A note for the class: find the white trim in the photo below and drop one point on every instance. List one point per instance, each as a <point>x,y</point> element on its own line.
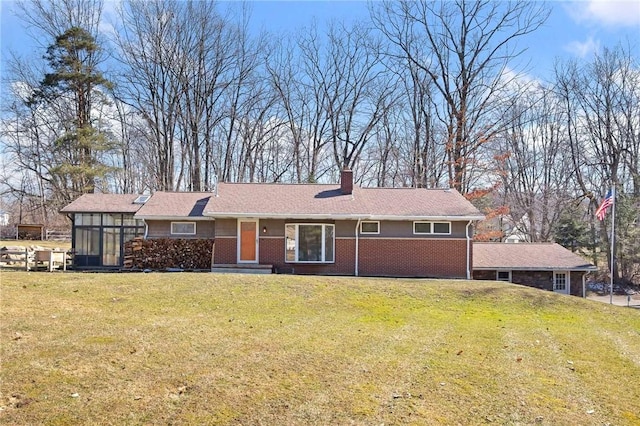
<point>545,269</point>
<point>333,216</point>
<point>357,253</point>
<point>369,221</point>
<point>431,227</point>
<point>183,223</point>
<point>567,282</point>
<point>508,271</point>
<point>420,237</point>
<point>323,248</point>
<point>421,222</point>
<point>239,242</point>
<point>175,218</point>
<point>468,238</point>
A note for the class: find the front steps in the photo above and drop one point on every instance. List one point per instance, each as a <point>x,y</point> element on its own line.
<point>242,268</point>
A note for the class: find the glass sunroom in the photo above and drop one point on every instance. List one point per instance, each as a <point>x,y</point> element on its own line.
<point>98,238</point>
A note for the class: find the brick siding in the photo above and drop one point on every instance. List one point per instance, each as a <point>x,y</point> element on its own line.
<point>225,251</point>
<point>413,258</point>
<point>272,252</point>
<point>536,279</point>
<point>378,257</point>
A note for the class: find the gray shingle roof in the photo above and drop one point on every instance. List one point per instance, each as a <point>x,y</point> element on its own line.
<point>527,256</point>
<point>174,205</point>
<point>270,200</point>
<point>103,203</point>
<point>314,201</point>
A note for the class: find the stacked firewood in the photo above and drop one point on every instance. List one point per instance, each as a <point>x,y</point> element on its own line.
<point>168,253</point>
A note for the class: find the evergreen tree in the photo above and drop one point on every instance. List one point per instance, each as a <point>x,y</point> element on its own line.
<point>73,84</point>
<point>570,231</point>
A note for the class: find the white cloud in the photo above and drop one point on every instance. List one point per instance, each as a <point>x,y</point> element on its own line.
<point>583,49</point>
<point>606,12</point>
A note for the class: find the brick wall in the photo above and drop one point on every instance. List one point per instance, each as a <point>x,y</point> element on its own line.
<point>536,279</point>
<point>225,251</point>
<point>413,258</point>
<point>272,252</point>
<point>378,257</point>
<point>576,283</point>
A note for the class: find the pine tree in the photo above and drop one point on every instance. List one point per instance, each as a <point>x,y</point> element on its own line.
<point>571,232</point>
<point>74,82</point>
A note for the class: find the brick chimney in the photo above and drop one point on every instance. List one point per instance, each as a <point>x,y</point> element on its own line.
<point>346,181</point>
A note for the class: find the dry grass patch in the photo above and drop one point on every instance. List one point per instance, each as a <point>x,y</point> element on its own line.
<point>235,349</point>
<point>63,245</point>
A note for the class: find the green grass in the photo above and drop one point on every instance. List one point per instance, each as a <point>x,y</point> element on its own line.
<point>288,350</point>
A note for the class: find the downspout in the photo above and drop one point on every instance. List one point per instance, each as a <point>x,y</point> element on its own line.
<point>468,250</point>
<point>584,285</point>
<point>357,246</point>
<point>146,229</point>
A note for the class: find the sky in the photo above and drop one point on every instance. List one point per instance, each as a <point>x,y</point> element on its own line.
<point>575,29</point>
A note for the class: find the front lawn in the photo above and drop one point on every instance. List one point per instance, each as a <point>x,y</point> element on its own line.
<point>203,348</point>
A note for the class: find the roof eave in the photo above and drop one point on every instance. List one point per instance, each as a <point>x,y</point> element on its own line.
<point>173,218</point>
<point>317,216</point>
<point>329,216</point>
<point>427,217</point>
<point>539,268</point>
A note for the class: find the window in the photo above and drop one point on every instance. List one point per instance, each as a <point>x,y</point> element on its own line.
<point>88,241</point>
<point>560,282</point>
<point>421,227</point>
<point>438,228</point>
<point>128,220</point>
<point>503,276</point>
<point>111,219</point>
<point>183,228</point>
<point>369,227</point>
<point>309,243</point>
<point>87,219</point>
<point>441,228</point>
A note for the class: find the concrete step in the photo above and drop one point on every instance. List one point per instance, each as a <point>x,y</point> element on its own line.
<point>242,269</point>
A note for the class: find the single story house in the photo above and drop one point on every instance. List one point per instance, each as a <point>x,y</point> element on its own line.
<point>291,228</point>
<point>547,266</point>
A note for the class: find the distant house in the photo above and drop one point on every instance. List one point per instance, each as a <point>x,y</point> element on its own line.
<point>547,266</point>
<point>307,228</point>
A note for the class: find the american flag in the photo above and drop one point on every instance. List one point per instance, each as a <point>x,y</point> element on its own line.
<point>601,211</point>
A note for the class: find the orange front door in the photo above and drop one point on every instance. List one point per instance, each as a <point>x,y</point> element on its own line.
<point>248,241</point>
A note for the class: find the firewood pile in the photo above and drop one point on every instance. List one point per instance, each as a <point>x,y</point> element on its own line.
<point>168,253</point>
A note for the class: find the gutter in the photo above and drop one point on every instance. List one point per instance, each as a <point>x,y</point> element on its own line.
<point>324,216</point>
<point>536,268</point>
<point>174,218</point>
<point>332,216</point>
<point>468,250</point>
<point>357,247</point>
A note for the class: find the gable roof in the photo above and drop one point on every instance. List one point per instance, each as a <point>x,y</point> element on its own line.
<point>314,201</point>
<point>527,256</point>
<point>174,205</point>
<point>103,203</point>
<point>292,201</point>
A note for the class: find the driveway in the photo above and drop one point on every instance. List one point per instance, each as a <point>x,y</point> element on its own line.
<point>618,299</point>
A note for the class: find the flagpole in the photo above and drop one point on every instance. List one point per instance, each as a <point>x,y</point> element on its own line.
<point>613,236</point>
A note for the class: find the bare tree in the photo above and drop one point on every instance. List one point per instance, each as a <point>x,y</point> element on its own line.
<point>296,76</point>
<point>535,180</point>
<point>464,48</point>
<point>601,105</point>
